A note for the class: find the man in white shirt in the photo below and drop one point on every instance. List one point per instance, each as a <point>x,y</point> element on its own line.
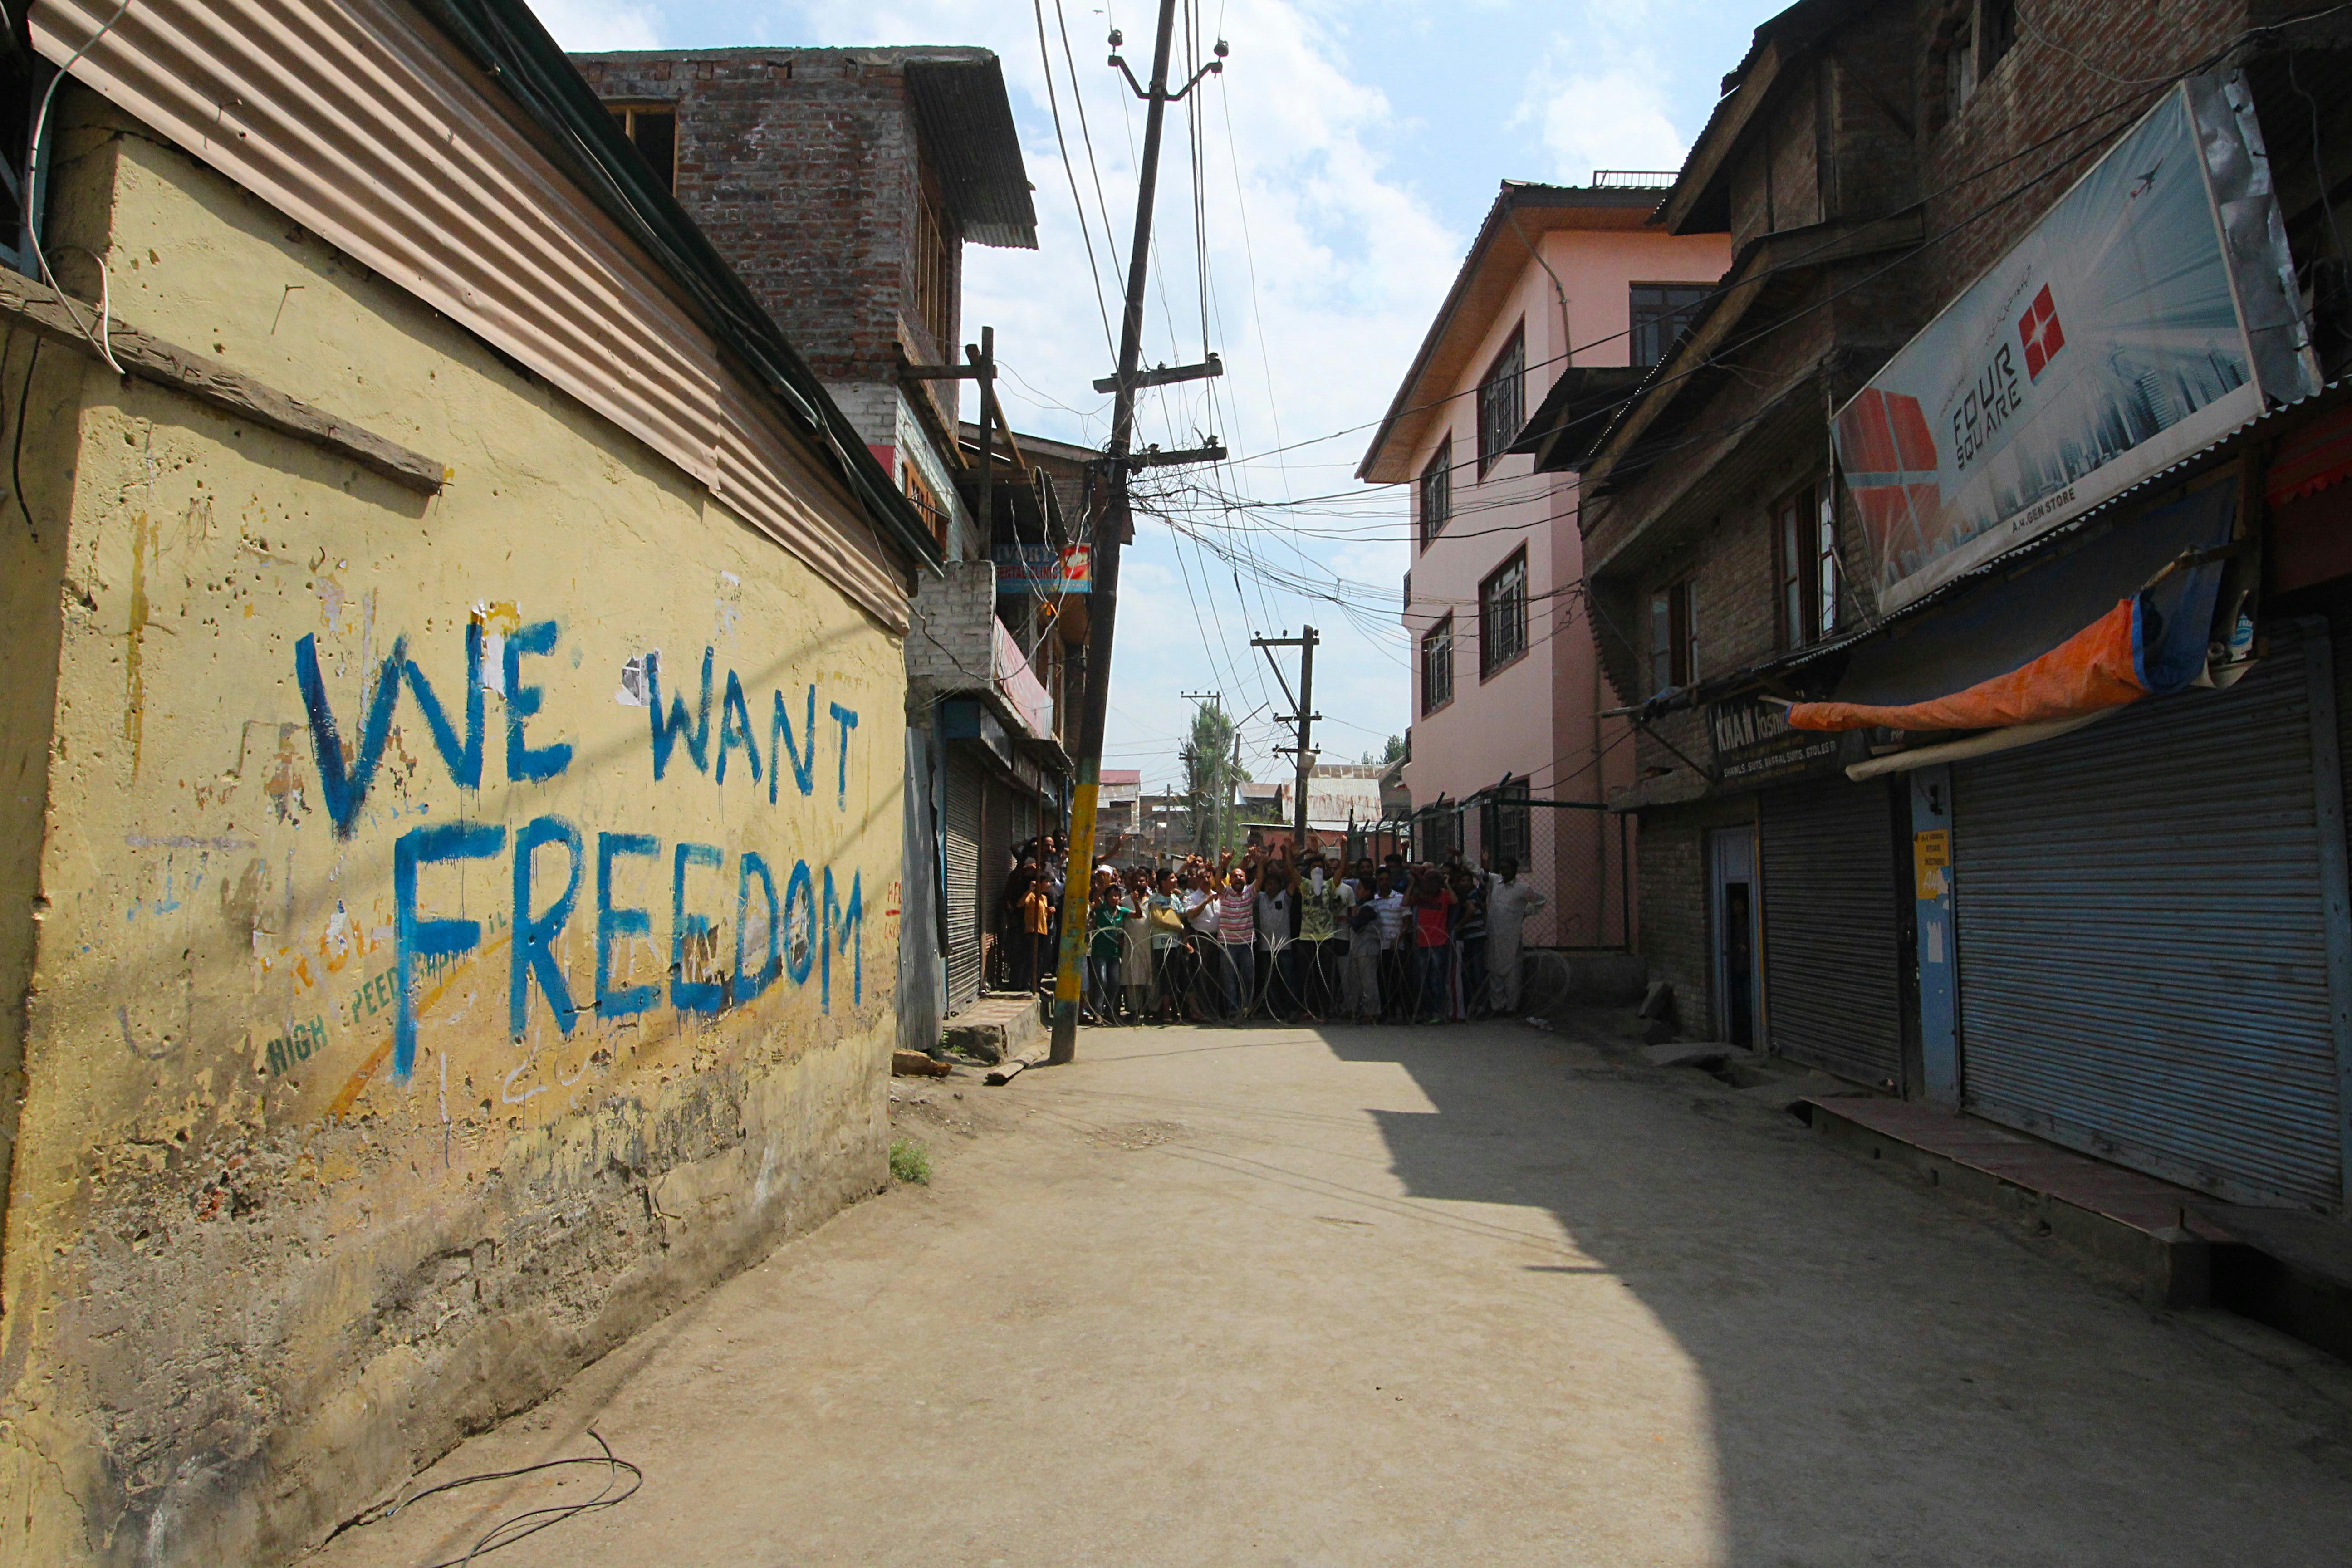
<point>1509,902</point>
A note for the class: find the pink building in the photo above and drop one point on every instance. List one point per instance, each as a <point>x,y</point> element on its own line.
<point>1566,298</point>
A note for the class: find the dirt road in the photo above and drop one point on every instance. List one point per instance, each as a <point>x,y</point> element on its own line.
<point>1376,1296</point>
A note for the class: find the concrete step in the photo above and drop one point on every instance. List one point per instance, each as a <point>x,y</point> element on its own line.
<point>997,1028</point>
<point>2286,1268</point>
<point>2153,1234</point>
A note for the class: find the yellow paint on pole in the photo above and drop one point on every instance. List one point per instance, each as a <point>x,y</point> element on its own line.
<point>1074,893</point>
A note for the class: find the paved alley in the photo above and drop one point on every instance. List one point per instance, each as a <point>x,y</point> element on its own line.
<point>1375,1296</point>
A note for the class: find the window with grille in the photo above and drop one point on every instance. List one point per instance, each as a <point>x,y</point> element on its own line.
<point>1503,614</point>
<point>1437,492</point>
<point>1661,312</point>
<point>1674,638</point>
<point>1806,566</point>
<point>1502,401</point>
<point>1439,834</point>
<point>652,130</point>
<point>1437,665</point>
<point>1511,826</point>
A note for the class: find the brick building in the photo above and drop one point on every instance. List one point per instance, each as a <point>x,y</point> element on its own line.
<point>842,185</point>
<point>1988,746</point>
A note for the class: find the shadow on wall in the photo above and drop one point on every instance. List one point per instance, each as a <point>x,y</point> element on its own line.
<point>1888,1381</point>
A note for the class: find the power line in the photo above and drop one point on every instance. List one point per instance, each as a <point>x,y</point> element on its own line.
<point>1094,267</point>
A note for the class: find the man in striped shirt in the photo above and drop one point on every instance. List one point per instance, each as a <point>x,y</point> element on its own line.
<point>1237,930</point>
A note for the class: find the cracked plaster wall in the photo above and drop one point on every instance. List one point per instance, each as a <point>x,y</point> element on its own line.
<point>255,1273</point>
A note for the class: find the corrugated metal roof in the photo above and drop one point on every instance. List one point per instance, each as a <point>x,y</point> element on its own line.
<point>383,139</point>
<point>966,121</point>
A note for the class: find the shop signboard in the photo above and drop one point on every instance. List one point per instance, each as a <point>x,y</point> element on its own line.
<point>1044,568</point>
<point>2145,315</point>
<point>1754,743</point>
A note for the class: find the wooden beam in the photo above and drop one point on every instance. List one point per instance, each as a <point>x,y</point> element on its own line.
<point>151,359</point>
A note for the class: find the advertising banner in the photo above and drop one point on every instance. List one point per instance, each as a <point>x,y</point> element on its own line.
<point>1042,569</point>
<point>2144,317</point>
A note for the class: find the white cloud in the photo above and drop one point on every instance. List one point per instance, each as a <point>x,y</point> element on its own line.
<point>1612,117</point>
<point>1616,120</point>
<point>596,24</point>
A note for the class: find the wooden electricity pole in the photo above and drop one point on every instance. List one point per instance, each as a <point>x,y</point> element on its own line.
<point>1304,753</point>
<point>1110,532</point>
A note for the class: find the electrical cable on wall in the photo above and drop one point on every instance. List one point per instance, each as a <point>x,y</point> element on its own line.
<point>98,337</point>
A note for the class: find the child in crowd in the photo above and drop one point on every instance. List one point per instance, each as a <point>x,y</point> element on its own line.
<point>1107,914</point>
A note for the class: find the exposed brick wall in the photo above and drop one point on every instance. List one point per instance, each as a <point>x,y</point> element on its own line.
<point>951,639</point>
<point>1673,942</point>
<point>2033,91</point>
<point>802,167</point>
<point>1677,927</point>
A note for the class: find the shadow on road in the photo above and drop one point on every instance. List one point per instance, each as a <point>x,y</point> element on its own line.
<point>1889,1381</point>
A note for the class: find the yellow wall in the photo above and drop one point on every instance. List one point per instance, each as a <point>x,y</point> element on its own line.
<point>266,1251</point>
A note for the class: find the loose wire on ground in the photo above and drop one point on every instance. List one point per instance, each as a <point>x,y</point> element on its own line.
<point>507,1531</point>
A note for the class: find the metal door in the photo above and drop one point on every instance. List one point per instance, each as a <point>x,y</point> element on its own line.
<point>960,851</point>
<point>2151,934</point>
<point>1732,925</point>
<point>1832,934</point>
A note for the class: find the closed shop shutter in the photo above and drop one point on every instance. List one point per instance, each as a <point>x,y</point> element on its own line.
<point>1832,936</point>
<point>960,853</point>
<point>2142,914</point>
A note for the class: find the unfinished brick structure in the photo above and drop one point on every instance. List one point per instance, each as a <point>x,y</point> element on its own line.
<point>842,186</point>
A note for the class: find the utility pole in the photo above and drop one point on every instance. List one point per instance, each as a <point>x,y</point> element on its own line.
<point>1304,753</point>
<point>1111,526</point>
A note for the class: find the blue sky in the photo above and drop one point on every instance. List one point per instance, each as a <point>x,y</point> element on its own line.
<point>1347,154</point>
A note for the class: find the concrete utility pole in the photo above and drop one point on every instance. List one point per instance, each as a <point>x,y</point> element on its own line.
<point>1304,718</point>
<point>1111,525</point>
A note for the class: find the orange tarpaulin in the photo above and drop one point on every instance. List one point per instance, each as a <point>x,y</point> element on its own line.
<point>2090,672</point>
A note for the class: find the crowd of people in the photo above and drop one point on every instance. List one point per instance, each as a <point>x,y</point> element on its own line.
<point>1264,936</point>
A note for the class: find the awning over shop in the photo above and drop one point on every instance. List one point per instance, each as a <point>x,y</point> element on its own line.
<point>2317,456</point>
<point>2125,615</point>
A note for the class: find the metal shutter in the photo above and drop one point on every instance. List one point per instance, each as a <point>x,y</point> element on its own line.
<point>1832,933</point>
<point>961,852</point>
<point>2143,936</point>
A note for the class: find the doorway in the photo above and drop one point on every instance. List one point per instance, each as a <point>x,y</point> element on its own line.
<point>1733,921</point>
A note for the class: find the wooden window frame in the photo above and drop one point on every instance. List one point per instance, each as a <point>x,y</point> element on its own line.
<point>926,501</point>
<point>933,262</point>
<point>1503,399</point>
<point>1436,491</point>
<point>1806,566</point>
<point>1674,636</point>
<point>1637,321</point>
<point>625,116</point>
<point>1437,667</point>
<point>1503,623</point>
